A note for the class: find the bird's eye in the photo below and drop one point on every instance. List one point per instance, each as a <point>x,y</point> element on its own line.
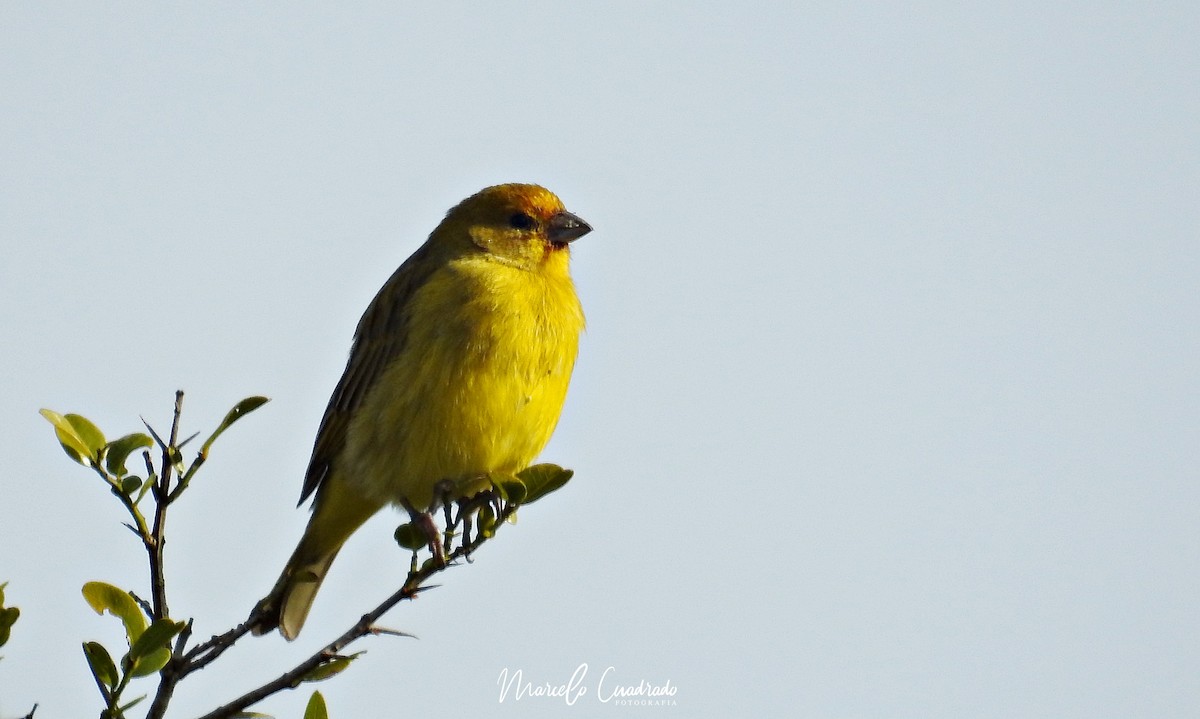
<point>520,221</point>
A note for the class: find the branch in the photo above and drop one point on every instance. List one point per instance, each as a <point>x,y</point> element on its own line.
<point>158,585</point>
<point>330,652</point>
<point>168,677</point>
<point>201,655</point>
<point>152,649</point>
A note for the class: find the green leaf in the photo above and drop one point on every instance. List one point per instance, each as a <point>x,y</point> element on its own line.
<point>241,409</point>
<point>156,637</point>
<point>334,666</point>
<point>511,489</point>
<point>499,480</point>
<point>316,707</point>
<point>120,449</point>
<point>151,662</point>
<point>135,702</point>
<point>130,484</point>
<point>101,597</point>
<point>146,487</point>
<point>486,521</point>
<point>101,664</point>
<point>252,715</point>
<point>542,479</point>
<point>515,490</point>
<point>74,445</point>
<point>91,435</point>
<point>410,536</point>
<point>8,617</point>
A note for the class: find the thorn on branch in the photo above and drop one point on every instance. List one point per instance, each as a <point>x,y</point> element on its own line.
<point>142,603</point>
<point>182,640</point>
<point>384,631</point>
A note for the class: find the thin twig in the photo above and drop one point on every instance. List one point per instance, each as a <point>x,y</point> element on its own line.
<point>170,674</point>
<point>161,493</point>
<point>201,655</point>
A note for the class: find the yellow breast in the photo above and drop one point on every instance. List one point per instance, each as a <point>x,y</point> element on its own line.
<point>478,387</point>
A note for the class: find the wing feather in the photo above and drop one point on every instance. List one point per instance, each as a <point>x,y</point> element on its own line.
<point>379,338</point>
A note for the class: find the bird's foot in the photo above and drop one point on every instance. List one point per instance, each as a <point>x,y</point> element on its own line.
<point>433,537</point>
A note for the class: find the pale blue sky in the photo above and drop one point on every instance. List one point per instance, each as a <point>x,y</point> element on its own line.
<point>888,405</point>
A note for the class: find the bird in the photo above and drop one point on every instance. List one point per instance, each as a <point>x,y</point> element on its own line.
<point>459,368</point>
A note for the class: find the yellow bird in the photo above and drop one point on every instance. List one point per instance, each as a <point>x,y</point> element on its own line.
<point>459,368</point>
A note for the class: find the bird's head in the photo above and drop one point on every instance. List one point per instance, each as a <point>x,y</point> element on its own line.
<point>522,225</point>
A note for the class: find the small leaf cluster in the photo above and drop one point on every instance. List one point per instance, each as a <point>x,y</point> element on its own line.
<point>85,443</point>
<point>149,630</point>
<point>521,489</point>
<point>149,645</point>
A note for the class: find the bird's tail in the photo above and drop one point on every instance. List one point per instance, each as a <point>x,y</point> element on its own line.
<point>335,517</point>
<point>286,607</point>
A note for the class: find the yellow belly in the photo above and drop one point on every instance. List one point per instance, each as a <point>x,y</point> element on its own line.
<point>478,387</point>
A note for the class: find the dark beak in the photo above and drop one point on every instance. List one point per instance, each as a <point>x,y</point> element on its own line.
<point>566,227</point>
